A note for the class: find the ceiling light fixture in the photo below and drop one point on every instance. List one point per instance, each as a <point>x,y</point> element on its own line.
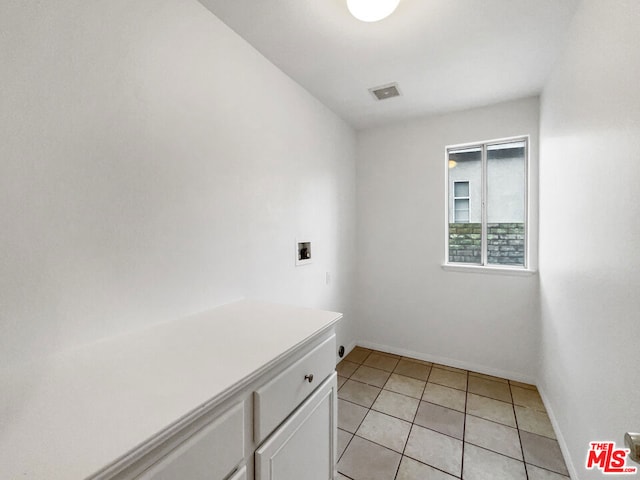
<point>372,10</point>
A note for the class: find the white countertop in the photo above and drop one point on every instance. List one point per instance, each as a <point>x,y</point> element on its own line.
<point>77,412</point>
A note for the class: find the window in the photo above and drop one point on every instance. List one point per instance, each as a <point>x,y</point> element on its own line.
<point>461,202</point>
<point>487,204</point>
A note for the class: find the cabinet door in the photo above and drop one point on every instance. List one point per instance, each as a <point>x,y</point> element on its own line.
<point>304,447</point>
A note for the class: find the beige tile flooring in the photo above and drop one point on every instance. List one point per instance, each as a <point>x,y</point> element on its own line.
<point>405,419</point>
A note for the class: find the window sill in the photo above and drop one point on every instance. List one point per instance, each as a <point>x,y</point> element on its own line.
<point>513,272</point>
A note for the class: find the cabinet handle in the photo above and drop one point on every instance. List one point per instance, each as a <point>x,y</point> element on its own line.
<point>309,377</point>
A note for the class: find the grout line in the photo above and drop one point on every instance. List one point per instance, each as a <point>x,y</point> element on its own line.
<point>464,428</point>
<point>443,406</point>
<point>378,444</point>
<point>546,469</point>
<point>492,421</point>
<point>490,398</point>
<point>498,453</point>
<point>436,431</point>
<point>345,448</point>
<point>526,472</point>
<point>494,451</point>
<point>431,466</point>
<point>411,428</point>
<point>360,424</point>
<point>534,389</point>
<point>346,476</point>
<point>354,403</point>
<point>390,415</point>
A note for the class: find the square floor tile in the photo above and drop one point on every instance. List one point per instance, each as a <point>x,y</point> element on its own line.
<point>341,381</point>
<point>358,355</point>
<point>406,385</point>
<point>385,430</point>
<point>448,378</point>
<point>490,409</point>
<point>343,440</point>
<point>536,473</point>
<point>345,368</point>
<point>534,421</point>
<point>342,477</point>
<point>364,460</point>
<point>412,369</point>
<point>481,464</point>
<point>526,397</point>
<point>435,449</point>
<point>381,361</point>
<point>445,396</point>
<point>370,376</point>
<point>488,377</point>
<point>493,436</point>
<point>359,393</point>
<point>542,452</point>
<point>350,415</point>
<point>441,419</point>
<point>411,469</point>
<point>489,388</point>
<point>397,405</point>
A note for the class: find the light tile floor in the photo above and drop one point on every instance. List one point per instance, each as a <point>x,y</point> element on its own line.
<point>405,419</point>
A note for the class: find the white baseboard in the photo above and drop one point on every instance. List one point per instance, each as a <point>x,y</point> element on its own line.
<point>573,472</point>
<point>518,377</point>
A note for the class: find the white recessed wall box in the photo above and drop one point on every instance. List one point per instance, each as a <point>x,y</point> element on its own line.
<point>303,252</point>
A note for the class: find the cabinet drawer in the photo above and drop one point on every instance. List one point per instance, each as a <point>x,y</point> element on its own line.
<point>209,454</point>
<point>275,401</point>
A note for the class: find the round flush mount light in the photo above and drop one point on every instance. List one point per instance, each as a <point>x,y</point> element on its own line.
<point>372,10</point>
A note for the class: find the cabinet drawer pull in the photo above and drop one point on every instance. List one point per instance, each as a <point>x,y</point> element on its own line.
<point>309,377</point>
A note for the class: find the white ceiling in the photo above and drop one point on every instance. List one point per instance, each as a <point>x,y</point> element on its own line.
<point>445,54</point>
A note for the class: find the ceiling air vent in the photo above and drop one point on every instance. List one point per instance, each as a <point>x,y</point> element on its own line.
<point>385,91</point>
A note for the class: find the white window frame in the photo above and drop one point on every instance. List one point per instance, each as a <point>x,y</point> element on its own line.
<point>468,198</point>
<point>484,266</point>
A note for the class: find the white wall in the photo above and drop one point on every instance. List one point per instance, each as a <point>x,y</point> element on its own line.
<point>589,230</point>
<point>154,165</point>
<point>405,301</point>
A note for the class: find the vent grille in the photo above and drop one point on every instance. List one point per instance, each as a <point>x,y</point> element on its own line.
<point>385,91</point>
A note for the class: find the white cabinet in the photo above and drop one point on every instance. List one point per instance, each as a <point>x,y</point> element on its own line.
<point>282,425</point>
<point>209,453</point>
<point>244,391</point>
<point>304,445</point>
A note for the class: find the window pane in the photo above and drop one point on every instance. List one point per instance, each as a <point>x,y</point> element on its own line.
<point>465,215</point>
<point>506,189</point>
<point>461,210</point>
<point>461,189</point>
